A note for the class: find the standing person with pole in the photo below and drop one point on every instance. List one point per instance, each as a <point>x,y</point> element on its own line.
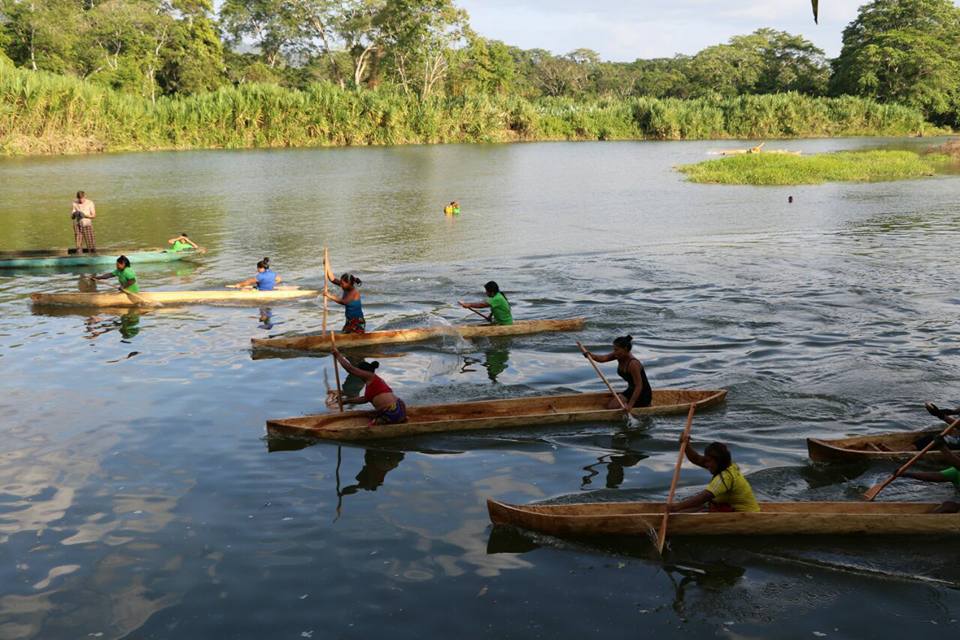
<point>336,368</point>
<point>83,213</point>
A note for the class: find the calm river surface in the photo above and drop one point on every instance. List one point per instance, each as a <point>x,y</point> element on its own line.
<point>139,497</point>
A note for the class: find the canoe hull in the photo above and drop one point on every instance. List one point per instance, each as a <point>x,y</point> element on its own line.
<point>116,299</point>
<point>774,519</point>
<point>46,259</point>
<point>890,447</point>
<point>321,342</point>
<point>487,414</point>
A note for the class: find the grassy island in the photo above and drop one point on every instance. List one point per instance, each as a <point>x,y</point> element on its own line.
<point>842,166</point>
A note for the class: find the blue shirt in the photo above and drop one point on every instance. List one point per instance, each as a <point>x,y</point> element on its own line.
<point>266,281</point>
<point>353,309</point>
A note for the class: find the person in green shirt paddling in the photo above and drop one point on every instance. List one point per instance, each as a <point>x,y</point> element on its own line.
<point>496,301</point>
<point>124,274</point>
<point>950,474</point>
<point>182,243</point>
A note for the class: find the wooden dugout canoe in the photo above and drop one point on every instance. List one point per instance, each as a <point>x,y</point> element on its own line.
<point>70,258</point>
<point>488,414</point>
<point>884,446</point>
<point>774,519</point>
<point>321,342</point>
<point>117,299</point>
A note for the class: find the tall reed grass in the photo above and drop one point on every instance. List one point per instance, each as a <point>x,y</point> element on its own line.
<point>46,113</point>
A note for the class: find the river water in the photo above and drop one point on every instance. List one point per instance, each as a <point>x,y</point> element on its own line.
<point>139,497</point>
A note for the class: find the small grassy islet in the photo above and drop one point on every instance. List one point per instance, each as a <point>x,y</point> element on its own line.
<point>841,166</point>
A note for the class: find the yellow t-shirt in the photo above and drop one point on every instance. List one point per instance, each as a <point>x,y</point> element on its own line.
<point>730,487</point>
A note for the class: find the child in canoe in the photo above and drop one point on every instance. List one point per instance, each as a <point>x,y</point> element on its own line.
<point>265,280</point>
<point>355,323</point>
<point>497,302</point>
<point>124,274</point>
<point>389,409</point>
<point>182,243</point>
<point>727,491</point>
<point>638,392</point>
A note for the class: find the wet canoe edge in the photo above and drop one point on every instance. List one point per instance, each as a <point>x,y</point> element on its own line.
<point>351,426</point>
<point>601,519</point>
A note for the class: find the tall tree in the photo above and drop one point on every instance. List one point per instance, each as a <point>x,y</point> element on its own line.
<point>903,51</point>
<point>418,36</point>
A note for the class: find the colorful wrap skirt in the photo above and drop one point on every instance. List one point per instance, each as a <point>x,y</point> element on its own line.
<point>394,415</point>
<point>355,325</point>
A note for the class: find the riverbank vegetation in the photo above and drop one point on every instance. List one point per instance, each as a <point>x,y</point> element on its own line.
<point>46,113</point>
<point>842,166</point>
<point>144,74</point>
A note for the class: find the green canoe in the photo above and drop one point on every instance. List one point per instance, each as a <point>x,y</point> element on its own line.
<point>70,258</point>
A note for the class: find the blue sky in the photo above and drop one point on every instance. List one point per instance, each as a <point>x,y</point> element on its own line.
<point>625,30</point>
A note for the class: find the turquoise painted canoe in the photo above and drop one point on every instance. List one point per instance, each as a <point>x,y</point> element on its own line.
<point>70,258</point>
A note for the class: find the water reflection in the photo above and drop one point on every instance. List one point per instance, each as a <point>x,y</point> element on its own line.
<point>377,464</point>
<point>265,320</point>
<point>128,324</point>
<point>496,360</point>
<point>615,464</point>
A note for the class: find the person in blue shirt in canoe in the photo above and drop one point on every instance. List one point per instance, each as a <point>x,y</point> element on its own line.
<point>265,280</point>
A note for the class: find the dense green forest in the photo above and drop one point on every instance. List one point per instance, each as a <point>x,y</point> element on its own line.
<point>79,75</point>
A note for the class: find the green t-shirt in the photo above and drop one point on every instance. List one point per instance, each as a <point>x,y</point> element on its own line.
<point>953,475</point>
<point>500,309</point>
<point>125,276</point>
<point>180,245</point>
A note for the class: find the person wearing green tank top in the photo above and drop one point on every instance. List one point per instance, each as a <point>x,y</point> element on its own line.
<point>182,243</point>
<point>500,312</point>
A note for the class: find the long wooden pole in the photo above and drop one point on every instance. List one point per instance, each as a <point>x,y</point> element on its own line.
<point>684,439</point>
<point>875,490</point>
<point>325,291</point>
<point>604,378</point>
<point>333,341</point>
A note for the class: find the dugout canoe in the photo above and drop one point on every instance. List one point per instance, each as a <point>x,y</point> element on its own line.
<point>321,342</point>
<point>117,299</point>
<point>488,414</point>
<point>70,257</point>
<point>891,447</point>
<point>595,519</point>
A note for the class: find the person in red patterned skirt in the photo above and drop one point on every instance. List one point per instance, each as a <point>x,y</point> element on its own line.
<point>83,214</point>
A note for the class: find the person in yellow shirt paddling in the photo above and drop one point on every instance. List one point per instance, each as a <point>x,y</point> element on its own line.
<point>727,491</point>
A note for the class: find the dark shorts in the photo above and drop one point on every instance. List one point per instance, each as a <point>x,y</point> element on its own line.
<point>355,325</point>
<point>394,415</point>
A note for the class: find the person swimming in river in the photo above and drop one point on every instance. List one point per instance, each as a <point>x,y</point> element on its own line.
<point>500,312</point>
<point>727,491</point>
<point>265,280</point>
<point>124,274</point>
<point>638,392</point>
<point>183,243</point>
<point>353,307</point>
<point>388,408</point>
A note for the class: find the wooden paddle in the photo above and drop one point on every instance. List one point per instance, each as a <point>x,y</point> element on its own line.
<point>485,317</point>
<point>684,439</point>
<point>325,280</point>
<point>333,340</point>
<point>873,491</point>
<point>604,378</point>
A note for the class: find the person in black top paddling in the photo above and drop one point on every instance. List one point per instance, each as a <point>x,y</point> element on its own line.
<point>638,392</point>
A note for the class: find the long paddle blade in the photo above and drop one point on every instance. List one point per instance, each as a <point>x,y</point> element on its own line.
<point>875,490</point>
